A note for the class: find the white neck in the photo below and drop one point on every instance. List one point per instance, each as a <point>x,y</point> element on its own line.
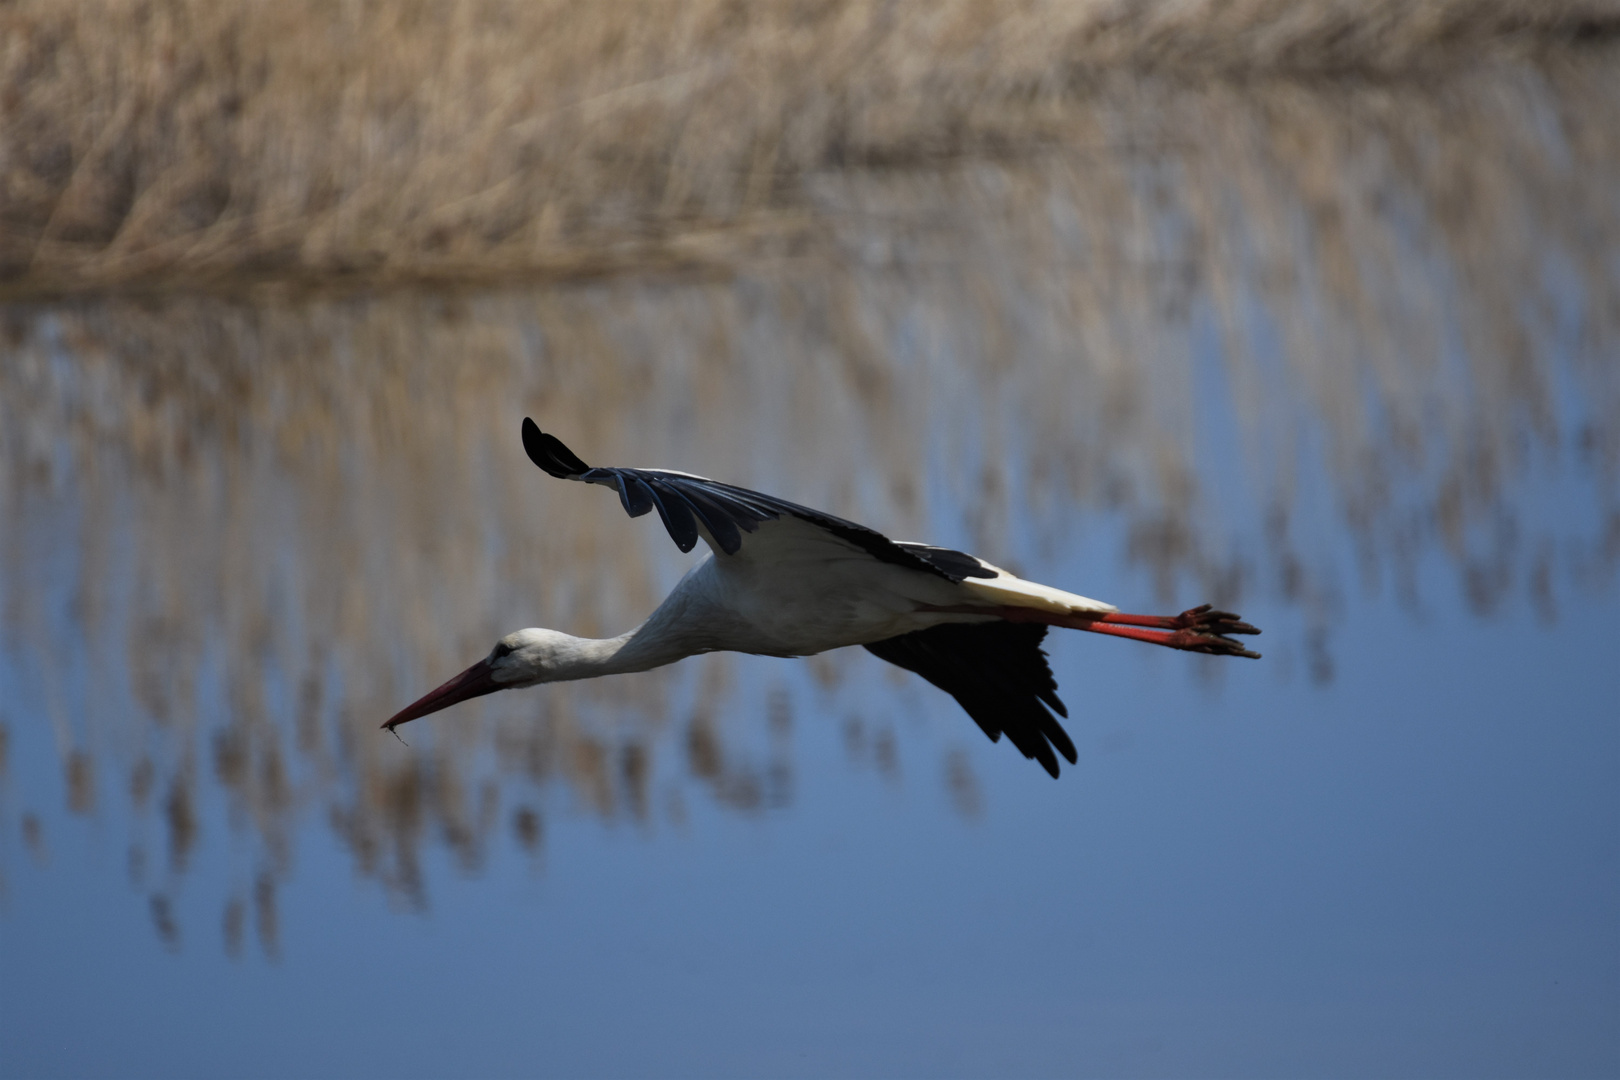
<point>641,649</point>
<point>688,622</point>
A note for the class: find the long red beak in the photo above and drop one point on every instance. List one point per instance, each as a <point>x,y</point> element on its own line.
<point>476,681</point>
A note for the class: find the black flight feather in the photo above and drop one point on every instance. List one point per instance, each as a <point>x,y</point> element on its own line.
<point>548,452</point>
<point>635,495</point>
<point>677,515</point>
<point>997,671</point>
<point>716,518</point>
<point>959,564</point>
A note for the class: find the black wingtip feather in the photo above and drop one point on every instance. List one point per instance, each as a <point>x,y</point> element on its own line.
<point>714,518</point>
<point>1059,738</point>
<point>676,514</point>
<point>548,452</point>
<point>635,495</point>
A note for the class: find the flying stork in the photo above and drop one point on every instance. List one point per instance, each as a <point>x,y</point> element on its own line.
<point>786,580</point>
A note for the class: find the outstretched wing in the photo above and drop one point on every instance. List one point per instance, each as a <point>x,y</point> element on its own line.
<point>998,672</point>
<point>694,508</point>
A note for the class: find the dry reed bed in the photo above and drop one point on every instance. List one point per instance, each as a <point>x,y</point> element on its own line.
<point>157,141</point>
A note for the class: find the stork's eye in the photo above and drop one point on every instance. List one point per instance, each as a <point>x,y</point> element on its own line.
<point>502,650</point>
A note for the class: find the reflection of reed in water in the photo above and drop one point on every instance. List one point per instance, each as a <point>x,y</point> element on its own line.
<point>238,534</point>
<point>1422,276</point>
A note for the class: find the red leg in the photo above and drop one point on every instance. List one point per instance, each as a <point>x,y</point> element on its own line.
<point>1190,640</point>
<point>1199,629</point>
<point>1204,618</point>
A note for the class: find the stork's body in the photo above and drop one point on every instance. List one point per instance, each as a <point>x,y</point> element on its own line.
<point>785,580</point>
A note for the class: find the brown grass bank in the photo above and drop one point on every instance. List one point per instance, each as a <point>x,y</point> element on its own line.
<point>160,142</point>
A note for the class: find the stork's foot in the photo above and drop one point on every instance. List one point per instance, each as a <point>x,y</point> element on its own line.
<point>1205,619</point>
<point>1214,644</point>
<point>1200,629</point>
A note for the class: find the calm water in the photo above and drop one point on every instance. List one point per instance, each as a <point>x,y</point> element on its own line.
<point>1344,359</point>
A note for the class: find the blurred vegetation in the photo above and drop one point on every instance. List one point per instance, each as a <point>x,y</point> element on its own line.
<point>995,264</point>
<point>153,141</point>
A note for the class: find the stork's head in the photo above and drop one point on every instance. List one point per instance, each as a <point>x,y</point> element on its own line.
<point>521,658</point>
